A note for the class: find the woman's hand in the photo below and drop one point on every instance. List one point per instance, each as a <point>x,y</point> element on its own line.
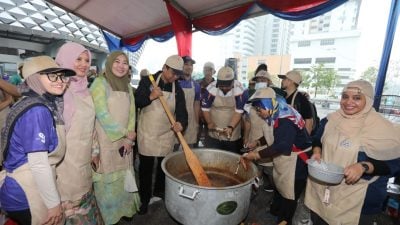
<point>252,144</point>
<point>54,215</point>
<point>353,173</point>
<point>131,135</point>
<point>128,147</point>
<point>316,154</point>
<point>316,157</point>
<point>95,162</point>
<point>249,156</point>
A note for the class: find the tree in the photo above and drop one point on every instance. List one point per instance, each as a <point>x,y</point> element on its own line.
<point>370,75</point>
<point>322,77</point>
<point>306,79</point>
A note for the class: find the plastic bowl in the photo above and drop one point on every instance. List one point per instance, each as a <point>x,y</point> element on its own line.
<point>325,172</point>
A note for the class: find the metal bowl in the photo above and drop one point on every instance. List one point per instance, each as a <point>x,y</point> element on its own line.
<point>325,172</point>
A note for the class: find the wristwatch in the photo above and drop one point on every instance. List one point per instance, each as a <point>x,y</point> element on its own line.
<point>365,166</point>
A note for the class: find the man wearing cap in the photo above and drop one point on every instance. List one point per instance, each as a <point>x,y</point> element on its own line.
<point>290,83</point>
<point>192,98</point>
<point>156,136</point>
<point>208,71</point>
<point>222,107</point>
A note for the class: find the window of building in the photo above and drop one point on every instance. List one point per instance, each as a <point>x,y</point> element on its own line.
<point>302,61</point>
<point>324,60</point>
<point>327,42</point>
<point>303,43</point>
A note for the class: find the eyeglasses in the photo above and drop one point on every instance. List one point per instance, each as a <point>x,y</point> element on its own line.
<point>54,77</point>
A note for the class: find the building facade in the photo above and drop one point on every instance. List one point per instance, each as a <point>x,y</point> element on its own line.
<point>331,39</point>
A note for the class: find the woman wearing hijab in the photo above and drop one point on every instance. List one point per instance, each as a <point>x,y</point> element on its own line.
<point>115,127</point>
<point>366,145</point>
<point>33,143</point>
<point>287,147</point>
<point>74,173</point>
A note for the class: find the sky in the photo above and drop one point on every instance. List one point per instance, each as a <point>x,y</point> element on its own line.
<point>372,25</point>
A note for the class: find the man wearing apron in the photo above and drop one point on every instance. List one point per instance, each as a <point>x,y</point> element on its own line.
<point>192,99</point>
<point>208,71</point>
<point>291,141</point>
<point>33,142</point>
<point>222,107</point>
<point>359,139</point>
<point>156,136</point>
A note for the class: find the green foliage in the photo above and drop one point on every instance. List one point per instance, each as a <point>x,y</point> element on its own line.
<point>370,75</point>
<point>306,83</point>
<point>321,77</point>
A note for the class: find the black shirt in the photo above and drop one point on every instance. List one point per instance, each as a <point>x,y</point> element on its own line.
<point>301,104</point>
<point>142,97</point>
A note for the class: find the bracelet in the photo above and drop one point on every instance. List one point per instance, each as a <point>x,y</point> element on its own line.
<point>230,127</point>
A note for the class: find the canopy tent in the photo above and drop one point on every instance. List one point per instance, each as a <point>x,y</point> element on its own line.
<point>134,21</point>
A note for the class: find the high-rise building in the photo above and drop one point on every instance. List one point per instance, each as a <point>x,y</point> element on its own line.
<point>330,39</point>
<point>239,43</point>
<point>272,36</point>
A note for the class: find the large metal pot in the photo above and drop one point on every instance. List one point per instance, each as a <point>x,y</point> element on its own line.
<point>191,204</point>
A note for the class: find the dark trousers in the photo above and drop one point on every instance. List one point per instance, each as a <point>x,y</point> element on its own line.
<point>374,219</point>
<point>231,146</point>
<point>285,208</point>
<point>146,177</point>
<point>22,217</point>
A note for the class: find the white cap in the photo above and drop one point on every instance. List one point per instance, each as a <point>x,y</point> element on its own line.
<point>43,64</point>
<point>292,75</point>
<point>175,62</point>
<point>262,73</point>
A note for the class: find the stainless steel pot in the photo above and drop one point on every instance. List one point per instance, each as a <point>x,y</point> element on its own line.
<point>191,204</point>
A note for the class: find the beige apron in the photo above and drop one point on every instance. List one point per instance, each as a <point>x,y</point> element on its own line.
<point>284,173</point>
<point>4,112</point>
<point>193,125</point>
<point>221,113</point>
<point>259,128</point>
<point>155,136</point>
<point>118,104</point>
<point>24,177</point>
<point>74,174</point>
<point>345,201</point>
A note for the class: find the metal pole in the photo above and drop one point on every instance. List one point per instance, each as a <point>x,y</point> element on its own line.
<point>387,48</point>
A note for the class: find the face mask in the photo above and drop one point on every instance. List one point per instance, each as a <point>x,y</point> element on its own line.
<point>261,85</point>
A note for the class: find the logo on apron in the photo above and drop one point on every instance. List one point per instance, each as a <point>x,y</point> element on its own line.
<point>346,143</point>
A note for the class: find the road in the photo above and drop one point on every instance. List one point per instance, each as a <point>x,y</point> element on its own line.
<point>333,106</point>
